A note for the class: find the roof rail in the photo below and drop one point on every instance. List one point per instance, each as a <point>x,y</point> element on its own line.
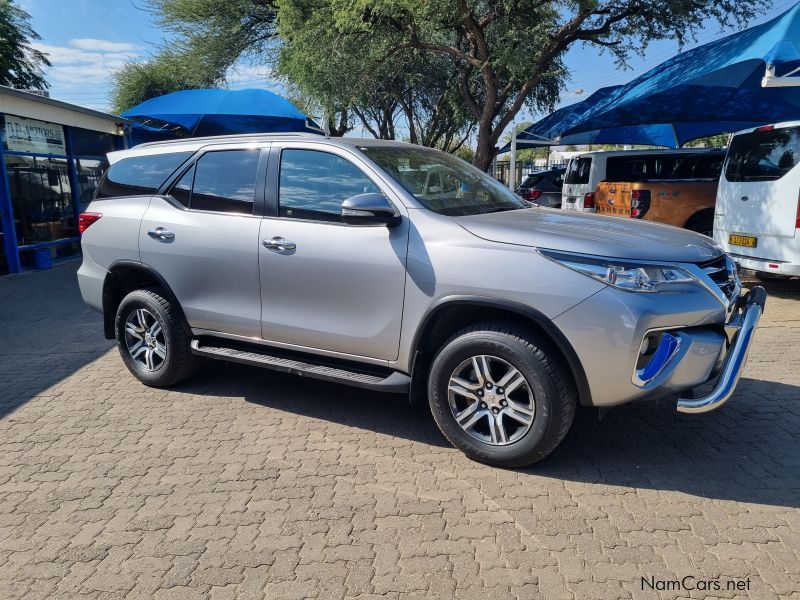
<point>231,137</point>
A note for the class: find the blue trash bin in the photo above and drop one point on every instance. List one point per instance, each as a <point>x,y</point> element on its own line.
<point>42,259</point>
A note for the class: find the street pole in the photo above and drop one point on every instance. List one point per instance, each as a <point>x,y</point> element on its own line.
<point>512,175</point>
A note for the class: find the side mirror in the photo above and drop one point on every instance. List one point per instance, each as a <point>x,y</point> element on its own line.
<point>369,209</point>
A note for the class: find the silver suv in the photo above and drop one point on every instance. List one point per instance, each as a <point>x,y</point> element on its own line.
<point>403,269</point>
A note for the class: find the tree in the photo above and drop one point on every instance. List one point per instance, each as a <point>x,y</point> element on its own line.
<point>509,53</point>
<point>165,73</point>
<point>21,65</point>
<point>347,78</point>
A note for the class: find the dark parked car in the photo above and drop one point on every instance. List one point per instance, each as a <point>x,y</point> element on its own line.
<point>543,188</point>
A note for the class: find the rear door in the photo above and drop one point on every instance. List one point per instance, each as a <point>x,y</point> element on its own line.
<point>760,185</point>
<point>576,182</point>
<point>202,237</point>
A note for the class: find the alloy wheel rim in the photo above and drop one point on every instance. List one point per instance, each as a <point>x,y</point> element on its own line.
<point>144,338</point>
<point>491,400</point>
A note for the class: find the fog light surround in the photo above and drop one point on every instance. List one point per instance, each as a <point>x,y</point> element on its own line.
<point>657,352</point>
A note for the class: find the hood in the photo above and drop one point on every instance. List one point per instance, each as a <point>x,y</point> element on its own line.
<point>598,235</point>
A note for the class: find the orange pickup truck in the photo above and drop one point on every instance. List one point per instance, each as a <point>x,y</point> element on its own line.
<point>677,189</point>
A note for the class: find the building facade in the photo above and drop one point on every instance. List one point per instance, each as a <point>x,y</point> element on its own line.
<point>51,159</point>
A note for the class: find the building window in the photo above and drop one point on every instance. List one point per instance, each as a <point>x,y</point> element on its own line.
<point>91,143</point>
<point>41,197</point>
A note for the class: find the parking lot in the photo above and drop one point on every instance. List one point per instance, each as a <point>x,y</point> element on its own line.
<point>247,484</point>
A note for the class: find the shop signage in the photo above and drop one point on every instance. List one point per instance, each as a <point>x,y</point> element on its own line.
<point>30,135</point>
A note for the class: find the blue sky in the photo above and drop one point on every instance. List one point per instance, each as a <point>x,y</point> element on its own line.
<point>88,39</point>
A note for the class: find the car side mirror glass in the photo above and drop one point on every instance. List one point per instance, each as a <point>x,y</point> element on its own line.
<point>369,209</point>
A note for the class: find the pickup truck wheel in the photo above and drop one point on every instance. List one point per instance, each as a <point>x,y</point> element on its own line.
<point>501,396</point>
<point>152,340</point>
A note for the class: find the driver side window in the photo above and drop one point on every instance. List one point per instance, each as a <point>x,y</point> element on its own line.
<point>314,184</point>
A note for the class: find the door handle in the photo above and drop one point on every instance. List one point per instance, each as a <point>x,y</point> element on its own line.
<point>161,234</point>
<point>279,245</point>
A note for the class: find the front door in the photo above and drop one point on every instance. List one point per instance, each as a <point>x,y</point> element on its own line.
<point>329,286</point>
<point>202,237</point>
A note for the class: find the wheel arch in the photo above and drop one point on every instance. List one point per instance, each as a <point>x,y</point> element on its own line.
<point>700,215</point>
<point>123,277</point>
<point>449,314</point>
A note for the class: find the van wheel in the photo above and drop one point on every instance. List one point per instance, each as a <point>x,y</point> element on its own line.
<point>500,395</point>
<point>702,223</point>
<point>152,340</point>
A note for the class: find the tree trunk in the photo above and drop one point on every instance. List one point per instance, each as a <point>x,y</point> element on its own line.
<point>486,150</point>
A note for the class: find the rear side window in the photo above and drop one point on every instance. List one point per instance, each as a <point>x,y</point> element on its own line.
<point>644,167</point>
<point>225,181</point>
<point>139,175</point>
<point>763,155</point>
<point>578,170</point>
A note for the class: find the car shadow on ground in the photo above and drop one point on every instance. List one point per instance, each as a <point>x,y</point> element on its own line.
<point>744,452</point>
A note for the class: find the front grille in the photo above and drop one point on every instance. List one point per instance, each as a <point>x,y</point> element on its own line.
<point>722,272</point>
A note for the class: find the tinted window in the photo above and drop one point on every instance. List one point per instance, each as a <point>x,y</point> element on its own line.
<point>578,170</point>
<point>531,180</point>
<point>139,175</point>
<point>314,184</point>
<point>763,155</point>
<point>225,181</point>
<point>644,167</point>
<point>443,183</point>
<point>182,190</point>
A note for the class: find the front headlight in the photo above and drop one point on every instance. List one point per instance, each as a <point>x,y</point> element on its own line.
<point>622,274</point>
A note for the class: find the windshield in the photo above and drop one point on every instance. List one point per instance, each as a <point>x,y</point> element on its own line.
<point>443,183</point>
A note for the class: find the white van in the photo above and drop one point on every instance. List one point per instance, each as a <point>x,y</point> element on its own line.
<point>757,216</point>
<point>586,170</point>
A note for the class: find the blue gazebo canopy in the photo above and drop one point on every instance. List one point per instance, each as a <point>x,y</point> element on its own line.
<point>194,113</point>
<point>714,88</point>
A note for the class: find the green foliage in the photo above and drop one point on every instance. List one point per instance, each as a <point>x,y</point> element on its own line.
<point>165,73</point>
<point>711,141</point>
<point>343,66</point>
<point>509,53</point>
<point>20,63</point>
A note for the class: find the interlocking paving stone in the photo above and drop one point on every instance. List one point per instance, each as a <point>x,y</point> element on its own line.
<point>244,483</point>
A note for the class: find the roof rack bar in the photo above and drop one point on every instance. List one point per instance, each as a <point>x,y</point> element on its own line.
<point>231,137</point>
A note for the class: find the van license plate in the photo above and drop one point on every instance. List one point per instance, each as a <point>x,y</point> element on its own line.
<point>743,240</point>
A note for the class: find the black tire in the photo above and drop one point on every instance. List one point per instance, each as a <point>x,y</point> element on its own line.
<point>702,223</point>
<point>179,363</point>
<point>546,376</point>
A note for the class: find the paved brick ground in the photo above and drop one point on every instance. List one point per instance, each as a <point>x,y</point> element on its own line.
<point>245,483</point>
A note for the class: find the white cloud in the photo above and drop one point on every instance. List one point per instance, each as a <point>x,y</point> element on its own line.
<point>85,62</point>
<point>101,45</point>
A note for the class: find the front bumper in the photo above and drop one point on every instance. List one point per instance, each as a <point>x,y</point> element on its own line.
<point>741,325</point>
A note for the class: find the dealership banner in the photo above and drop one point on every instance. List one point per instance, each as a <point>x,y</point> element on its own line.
<point>30,135</point>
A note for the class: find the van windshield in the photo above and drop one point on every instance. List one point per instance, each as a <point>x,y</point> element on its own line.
<point>765,155</point>
<point>578,170</point>
<point>443,183</point>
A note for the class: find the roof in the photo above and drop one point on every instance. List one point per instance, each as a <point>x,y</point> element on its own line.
<point>194,144</point>
<point>7,91</point>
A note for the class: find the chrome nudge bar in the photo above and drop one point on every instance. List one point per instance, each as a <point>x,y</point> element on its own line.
<point>734,361</point>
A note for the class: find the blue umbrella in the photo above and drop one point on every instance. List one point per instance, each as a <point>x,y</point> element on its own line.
<point>717,84</point>
<point>219,112</point>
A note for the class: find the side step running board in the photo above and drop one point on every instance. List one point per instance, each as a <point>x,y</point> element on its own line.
<point>396,383</point>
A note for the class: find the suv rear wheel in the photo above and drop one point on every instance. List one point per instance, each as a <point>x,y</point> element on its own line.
<point>500,395</point>
<point>152,340</point>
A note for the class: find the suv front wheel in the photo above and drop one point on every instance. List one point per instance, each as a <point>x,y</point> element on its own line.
<point>152,340</point>
<point>501,396</point>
